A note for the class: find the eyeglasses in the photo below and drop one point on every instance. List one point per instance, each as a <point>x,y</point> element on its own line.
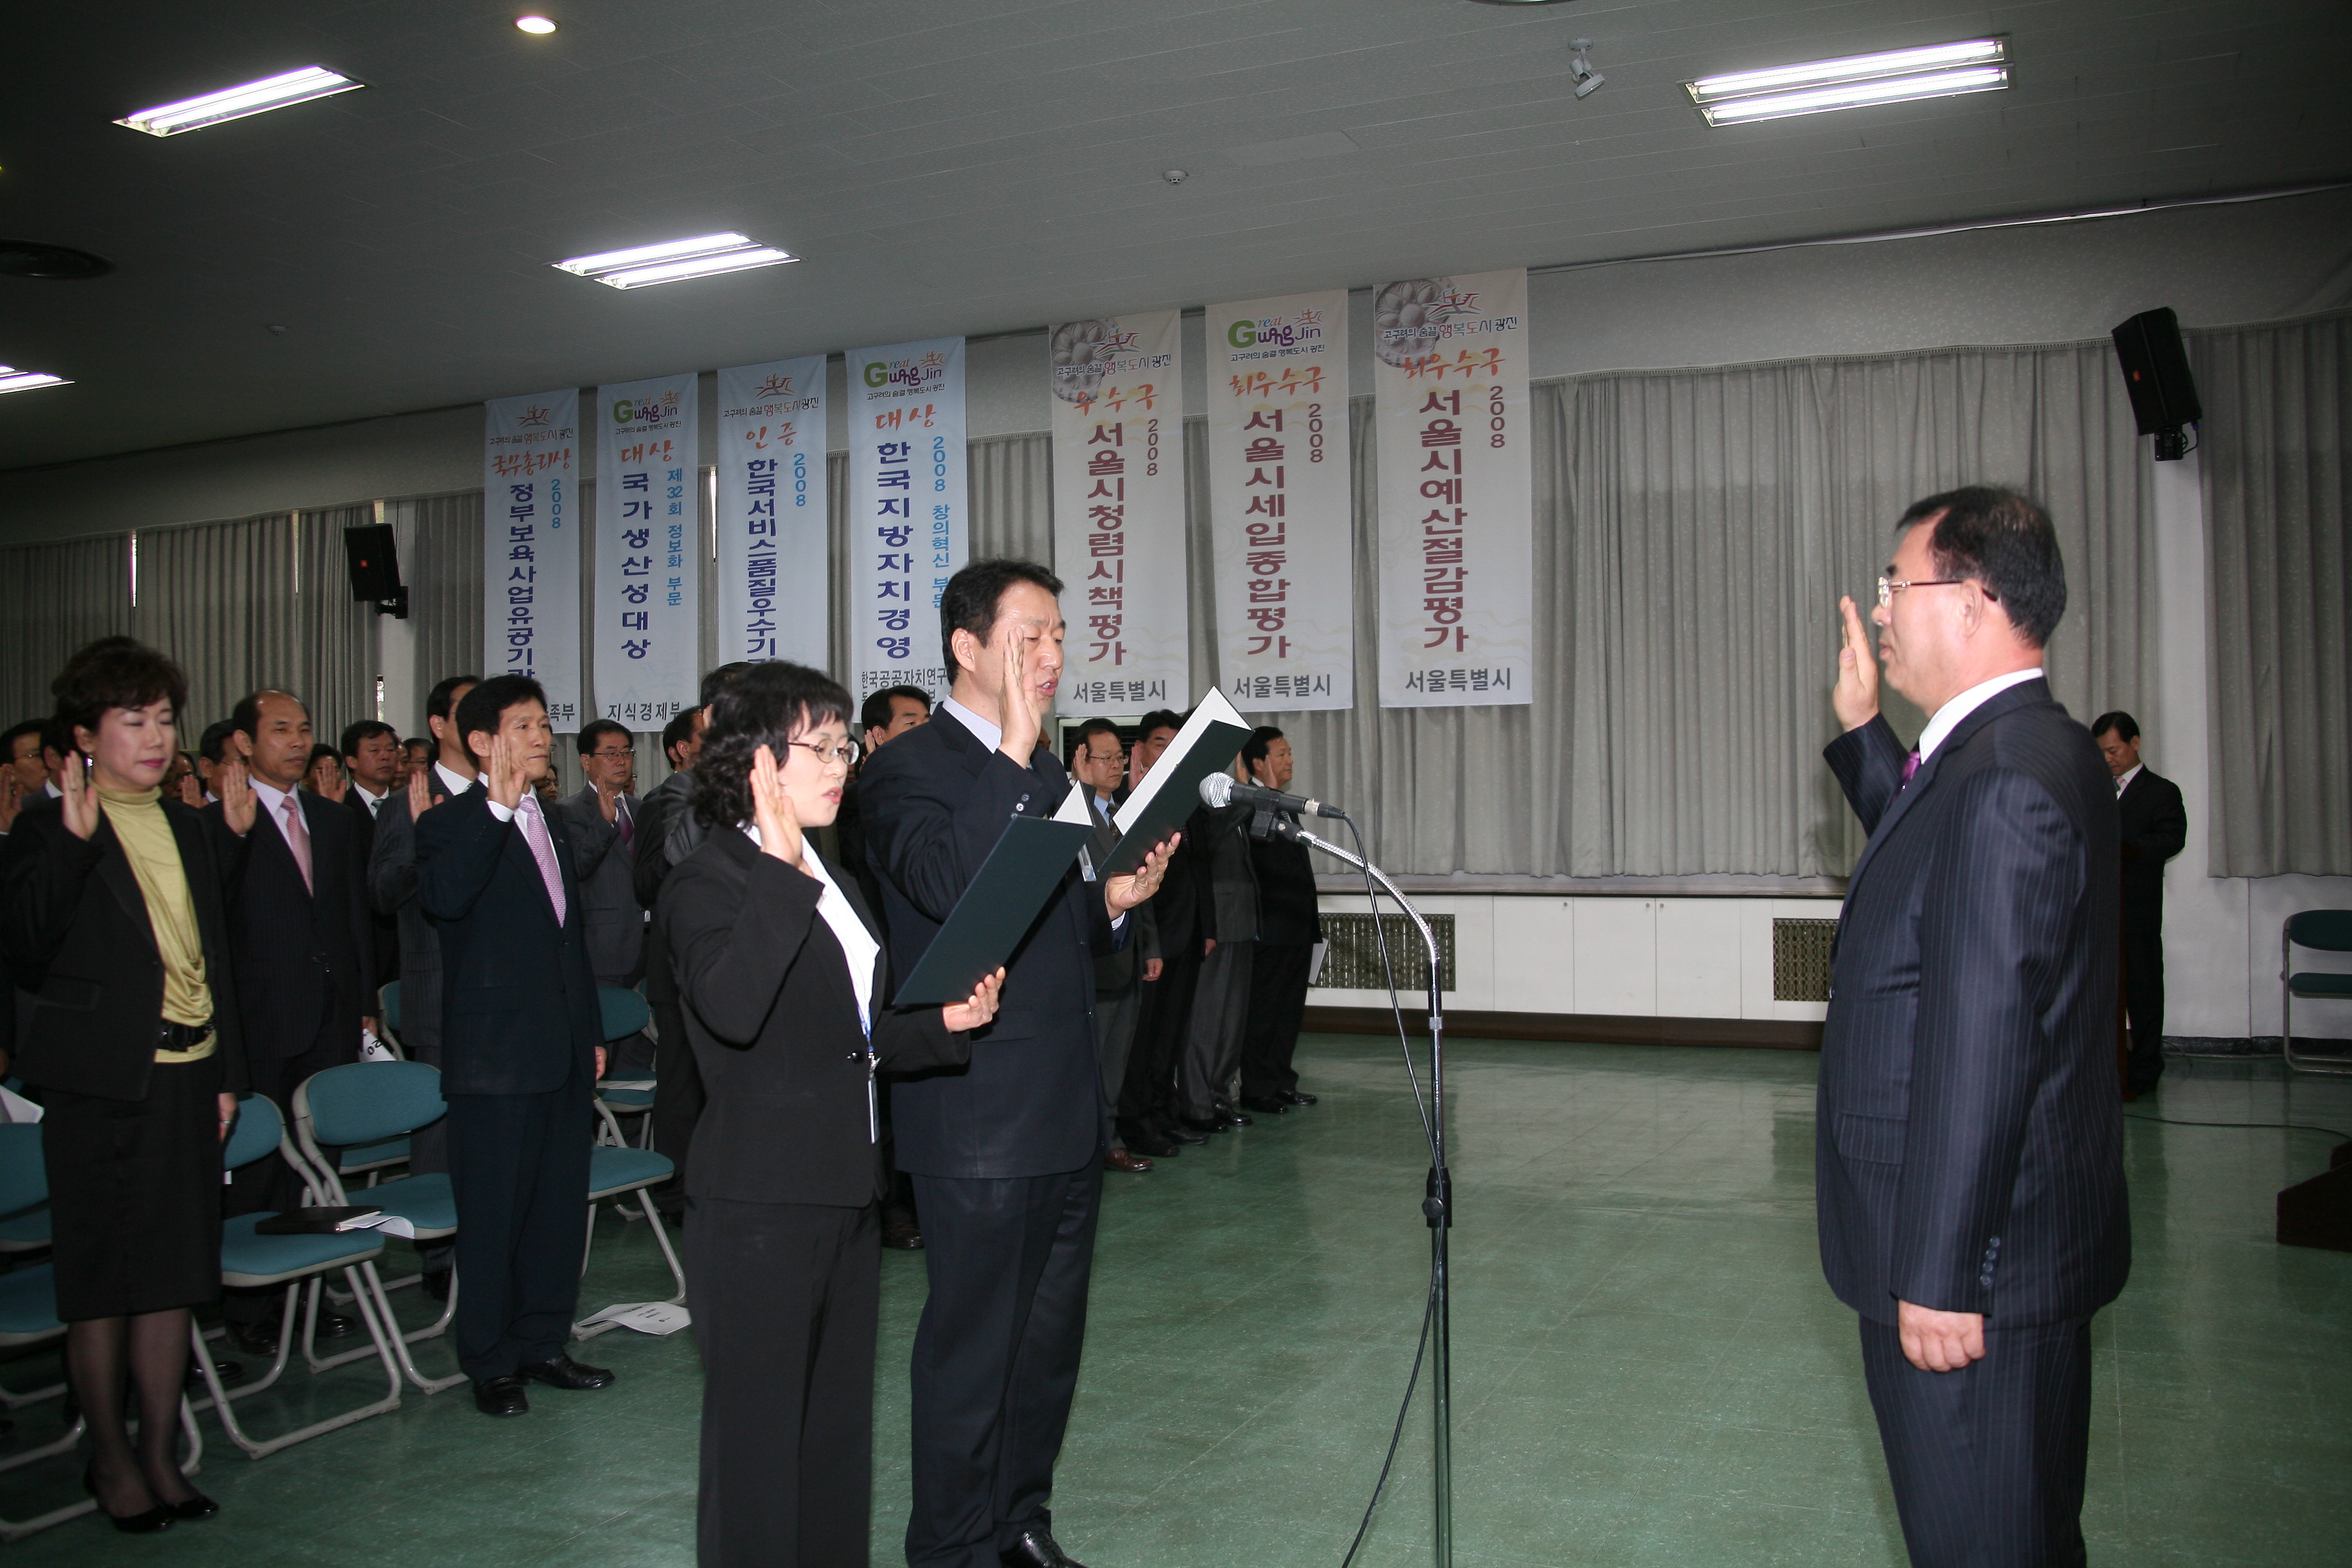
<point>846,753</point>
<point>1887,590</point>
<point>607,754</point>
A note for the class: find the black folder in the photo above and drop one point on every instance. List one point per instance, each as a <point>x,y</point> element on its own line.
<point>996,911</point>
<point>1212,738</point>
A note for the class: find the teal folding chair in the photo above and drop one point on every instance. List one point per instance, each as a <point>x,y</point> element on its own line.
<point>23,1221</point>
<point>2321,930</point>
<point>368,1102</point>
<point>614,1169</point>
<point>29,1319</point>
<point>625,1014</point>
<point>250,1261</point>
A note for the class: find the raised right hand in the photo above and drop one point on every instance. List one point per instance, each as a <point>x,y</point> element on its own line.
<point>80,804</point>
<point>11,800</point>
<point>771,810</point>
<point>503,776</point>
<point>1855,696</point>
<point>420,793</point>
<point>1020,715</point>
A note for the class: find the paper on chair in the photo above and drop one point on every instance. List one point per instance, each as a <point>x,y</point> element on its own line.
<point>646,1317</point>
<point>14,1107</point>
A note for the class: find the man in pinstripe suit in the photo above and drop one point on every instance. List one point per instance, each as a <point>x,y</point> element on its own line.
<point>1968,1160</point>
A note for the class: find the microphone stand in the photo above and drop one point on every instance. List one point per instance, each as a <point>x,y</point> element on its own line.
<point>1436,1204</point>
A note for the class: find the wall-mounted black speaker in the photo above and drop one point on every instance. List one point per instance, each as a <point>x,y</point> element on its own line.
<point>373,561</point>
<point>2156,373</point>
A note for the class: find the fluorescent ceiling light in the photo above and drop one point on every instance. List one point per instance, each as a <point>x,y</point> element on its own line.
<point>538,27</point>
<point>236,103</point>
<point>1942,70</point>
<point>701,257</point>
<point>14,380</point>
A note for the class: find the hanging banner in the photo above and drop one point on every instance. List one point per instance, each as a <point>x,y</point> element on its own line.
<point>1119,513</point>
<point>1457,530</point>
<point>772,509</point>
<point>531,545</point>
<point>908,510</point>
<point>648,578</point>
<point>1278,491</point>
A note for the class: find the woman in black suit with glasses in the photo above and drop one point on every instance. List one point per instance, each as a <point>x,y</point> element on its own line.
<point>783,978</point>
<point>112,924</point>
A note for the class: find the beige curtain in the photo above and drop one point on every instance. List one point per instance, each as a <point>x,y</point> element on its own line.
<point>54,598</point>
<point>2278,521</point>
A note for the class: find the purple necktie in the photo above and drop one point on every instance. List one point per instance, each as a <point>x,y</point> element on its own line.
<point>542,849</point>
<point>1910,766</point>
<point>628,827</point>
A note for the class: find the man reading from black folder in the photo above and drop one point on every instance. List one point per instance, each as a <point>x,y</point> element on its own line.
<point>1006,1154</point>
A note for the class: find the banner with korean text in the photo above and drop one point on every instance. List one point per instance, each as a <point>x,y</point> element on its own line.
<point>531,545</point>
<point>1458,528</point>
<point>772,510</point>
<point>648,638</point>
<point>908,510</point>
<point>1119,513</point>
<point>1278,493</point>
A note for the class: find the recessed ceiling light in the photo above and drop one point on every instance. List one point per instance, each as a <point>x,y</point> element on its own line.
<point>671,260</point>
<point>538,26</point>
<point>1898,76</point>
<point>236,103</point>
<point>14,380</point>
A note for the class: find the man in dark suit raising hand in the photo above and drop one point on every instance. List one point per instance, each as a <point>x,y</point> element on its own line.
<point>1969,1142</point>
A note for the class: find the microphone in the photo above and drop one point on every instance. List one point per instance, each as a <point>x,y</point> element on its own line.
<point>1219,790</point>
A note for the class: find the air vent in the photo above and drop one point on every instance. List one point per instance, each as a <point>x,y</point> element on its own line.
<point>1354,961</point>
<point>1800,959</point>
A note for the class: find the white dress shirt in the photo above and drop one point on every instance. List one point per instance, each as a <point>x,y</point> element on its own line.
<point>1948,718</point>
<point>2124,781</point>
<point>375,803</point>
<point>992,736</point>
<point>857,943</point>
<point>273,805</point>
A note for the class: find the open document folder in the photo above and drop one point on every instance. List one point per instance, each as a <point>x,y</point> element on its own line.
<point>996,910</point>
<point>1155,811</point>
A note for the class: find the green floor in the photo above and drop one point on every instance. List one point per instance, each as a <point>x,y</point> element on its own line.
<point>1648,1368</point>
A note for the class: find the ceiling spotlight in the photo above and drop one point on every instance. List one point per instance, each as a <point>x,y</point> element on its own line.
<point>1898,76</point>
<point>1174,176</point>
<point>701,257</point>
<point>538,27</point>
<point>12,380</point>
<point>1580,68</point>
<point>236,103</point>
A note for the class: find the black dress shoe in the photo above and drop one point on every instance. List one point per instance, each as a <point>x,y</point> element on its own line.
<point>254,1338</point>
<point>1156,1147</point>
<point>560,1371</point>
<point>904,1236</point>
<point>1234,1115</point>
<point>1215,1124</point>
<point>1185,1133</point>
<point>1294,1097</point>
<point>435,1284</point>
<point>230,1371</point>
<point>1036,1548</point>
<point>501,1395</point>
<point>1269,1107</point>
<point>195,1505</point>
<point>337,1326</point>
<point>145,1523</point>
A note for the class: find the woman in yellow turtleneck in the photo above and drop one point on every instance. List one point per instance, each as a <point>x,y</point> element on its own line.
<point>110,919</point>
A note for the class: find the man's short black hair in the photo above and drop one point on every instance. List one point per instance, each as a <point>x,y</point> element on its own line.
<point>592,734</point>
<point>443,696</point>
<point>321,750</point>
<point>719,679</point>
<point>414,741</point>
<point>972,594</point>
<point>2005,543</point>
<point>15,732</point>
<point>112,672</point>
<point>213,744</point>
<point>1089,729</point>
<point>247,712</point>
<point>366,729</point>
<point>876,715</point>
<point>2126,727</point>
<point>483,706</point>
<point>1159,718</point>
<point>1261,741</point>
<point>677,733</point>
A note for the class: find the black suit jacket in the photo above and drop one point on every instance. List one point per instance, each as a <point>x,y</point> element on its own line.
<point>774,1021</point>
<point>616,920</point>
<point>392,885</point>
<point>1969,1143</point>
<point>81,951</point>
<point>304,957</point>
<point>519,1008</point>
<point>1289,910</point>
<point>935,801</point>
<point>2155,825</point>
<point>387,928</point>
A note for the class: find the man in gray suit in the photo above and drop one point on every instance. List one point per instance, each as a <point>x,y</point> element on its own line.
<point>602,822</point>
<point>1212,1046</point>
<point>392,885</point>
<point>1101,766</point>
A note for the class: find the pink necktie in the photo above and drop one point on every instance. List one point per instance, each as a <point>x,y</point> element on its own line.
<point>542,849</point>
<point>298,839</point>
<point>1910,766</point>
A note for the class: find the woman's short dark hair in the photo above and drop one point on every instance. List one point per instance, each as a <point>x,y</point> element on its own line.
<point>969,601</point>
<point>482,707</point>
<point>767,706</point>
<point>1261,741</point>
<point>2003,542</point>
<point>115,672</point>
